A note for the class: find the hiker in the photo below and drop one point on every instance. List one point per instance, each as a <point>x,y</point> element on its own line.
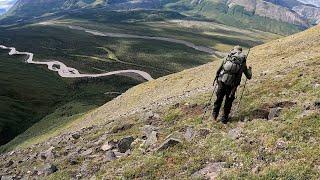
<point>229,78</point>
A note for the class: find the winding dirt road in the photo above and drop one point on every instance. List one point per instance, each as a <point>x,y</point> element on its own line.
<point>121,35</point>
<point>69,72</point>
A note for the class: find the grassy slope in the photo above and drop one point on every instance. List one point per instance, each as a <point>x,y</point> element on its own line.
<point>286,147</point>
<point>97,54</point>
<point>284,61</point>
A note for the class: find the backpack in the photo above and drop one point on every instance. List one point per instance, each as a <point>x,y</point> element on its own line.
<point>232,69</point>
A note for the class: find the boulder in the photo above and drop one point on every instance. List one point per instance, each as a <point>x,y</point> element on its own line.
<point>110,156</point>
<point>235,133</point>
<point>210,171</point>
<point>7,177</point>
<point>75,136</point>
<point>106,147</point>
<point>152,139</point>
<point>281,145</point>
<point>9,163</point>
<point>151,115</point>
<point>203,132</point>
<point>73,160</point>
<point>148,129</point>
<point>170,142</point>
<point>125,143</point>
<point>49,169</point>
<point>189,134</point>
<point>48,154</point>
<point>274,112</point>
<point>120,128</point>
<point>87,152</point>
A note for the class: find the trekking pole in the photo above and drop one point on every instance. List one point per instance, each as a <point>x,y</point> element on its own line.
<point>209,103</point>
<point>244,87</point>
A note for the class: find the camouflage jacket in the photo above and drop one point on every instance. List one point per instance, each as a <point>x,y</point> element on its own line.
<point>245,70</point>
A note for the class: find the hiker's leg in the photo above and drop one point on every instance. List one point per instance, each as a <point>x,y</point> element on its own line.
<point>230,96</point>
<point>217,104</point>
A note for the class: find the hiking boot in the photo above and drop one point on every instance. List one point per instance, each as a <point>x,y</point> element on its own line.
<point>224,119</point>
<point>215,115</point>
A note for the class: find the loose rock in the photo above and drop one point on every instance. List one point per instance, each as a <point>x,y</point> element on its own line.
<point>87,152</point>
<point>49,169</point>
<point>189,134</point>
<point>75,136</point>
<point>73,160</point>
<point>125,143</point>
<point>235,133</point>
<point>152,139</point>
<point>7,177</point>
<point>148,129</point>
<point>48,154</point>
<point>282,145</point>
<point>274,112</point>
<point>120,128</point>
<point>169,143</point>
<point>9,163</point>
<point>106,147</point>
<point>211,171</point>
<point>110,156</point>
<point>204,132</point>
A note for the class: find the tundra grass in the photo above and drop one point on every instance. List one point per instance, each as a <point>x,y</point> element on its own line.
<point>29,93</point>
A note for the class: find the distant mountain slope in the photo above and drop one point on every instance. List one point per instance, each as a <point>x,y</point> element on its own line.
<point>308,12</point>
<point>2,11</point>
<point>280,16</point>
<point>270,10</point>
<point>314,2</point>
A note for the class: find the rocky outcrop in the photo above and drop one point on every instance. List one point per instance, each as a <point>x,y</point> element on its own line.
<point>270,10</point>
<point>308,12</point>
<point>313,2</point>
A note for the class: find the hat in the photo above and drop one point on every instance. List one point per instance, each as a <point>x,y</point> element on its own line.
<point>238,48</point>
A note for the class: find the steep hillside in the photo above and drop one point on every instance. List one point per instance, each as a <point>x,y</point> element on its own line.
<point>275,134</point>
<point>308,12</point>
<point>314,2</point>
<point>270,10</point>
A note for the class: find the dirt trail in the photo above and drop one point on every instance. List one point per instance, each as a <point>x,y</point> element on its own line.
<point>166,39</point>
<point>69,72</point>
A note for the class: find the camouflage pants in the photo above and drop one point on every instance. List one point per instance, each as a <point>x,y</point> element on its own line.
<point>229,93</point>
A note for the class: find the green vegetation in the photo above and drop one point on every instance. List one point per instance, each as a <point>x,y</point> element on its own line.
<point>30,93</point>
<point>27,94</point>
<point>71,46</point>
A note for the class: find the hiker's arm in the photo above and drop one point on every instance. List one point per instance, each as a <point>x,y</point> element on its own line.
<point>247,71</point>
<point>220,68</point>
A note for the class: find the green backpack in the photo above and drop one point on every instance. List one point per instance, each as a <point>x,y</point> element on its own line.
<point>232,69</point>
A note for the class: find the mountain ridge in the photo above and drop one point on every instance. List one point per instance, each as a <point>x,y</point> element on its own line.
<point>283,12</point>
